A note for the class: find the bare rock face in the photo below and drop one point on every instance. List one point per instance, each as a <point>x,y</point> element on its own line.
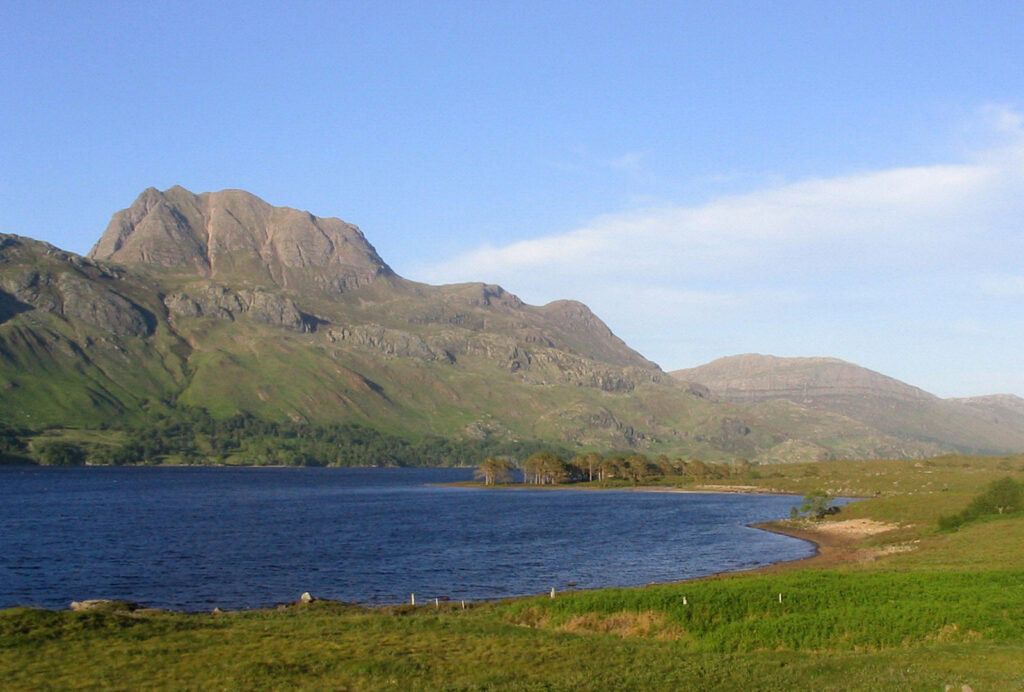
<point>391,342</point>
<point>93,304</point>
<point>233,235</point>
<point>61,287</point>
<point>223,303</point>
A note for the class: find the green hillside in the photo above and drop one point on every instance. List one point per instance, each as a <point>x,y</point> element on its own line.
<point>222,302</point>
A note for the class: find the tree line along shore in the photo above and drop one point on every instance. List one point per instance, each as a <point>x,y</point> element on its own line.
<point>193,437</point>
<point>549,468</point>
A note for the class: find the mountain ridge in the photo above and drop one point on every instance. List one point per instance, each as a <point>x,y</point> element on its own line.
<point>863,395</point>
<point>222,301</point>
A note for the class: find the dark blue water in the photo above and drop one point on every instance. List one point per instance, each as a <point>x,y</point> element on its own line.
<point>195,538</point>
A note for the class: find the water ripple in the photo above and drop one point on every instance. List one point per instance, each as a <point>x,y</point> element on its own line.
<point>239,538</point>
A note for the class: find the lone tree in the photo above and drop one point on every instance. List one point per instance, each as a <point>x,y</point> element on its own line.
<point>493,470</point>
<point>1000,497</point>
<point>816,505</point>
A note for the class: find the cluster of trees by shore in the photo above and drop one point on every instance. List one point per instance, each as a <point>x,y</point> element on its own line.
<point>548,468</point>
<point>13,447</point>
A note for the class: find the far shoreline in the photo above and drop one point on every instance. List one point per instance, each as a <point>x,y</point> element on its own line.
<point>586,486</point>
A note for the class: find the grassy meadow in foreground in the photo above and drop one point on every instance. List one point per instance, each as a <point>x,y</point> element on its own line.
<point>910,607</point>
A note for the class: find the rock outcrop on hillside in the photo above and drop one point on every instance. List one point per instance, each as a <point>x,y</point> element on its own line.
<point>72,288</point>
<point>220,302</point>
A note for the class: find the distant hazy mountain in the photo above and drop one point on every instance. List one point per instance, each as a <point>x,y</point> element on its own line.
<point>985,424</point>
<point>223,301</point>
<point>1005,410</point>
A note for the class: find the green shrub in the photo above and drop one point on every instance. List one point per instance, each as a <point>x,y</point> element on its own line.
<point>1001,497</point>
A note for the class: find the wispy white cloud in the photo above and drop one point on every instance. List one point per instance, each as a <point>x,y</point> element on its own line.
<point>1003,286</point>
<point>858,239</point>
<point>631,162</point>
<point>873,212</point>
<point>690,302</point>
<point>897,210</point>
<point>581,160</point>
<point>1002,118</point>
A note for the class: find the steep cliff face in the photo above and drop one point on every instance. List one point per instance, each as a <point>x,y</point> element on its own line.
<point>40,277</point>
<point>233,236</point>
<point>221,302</point>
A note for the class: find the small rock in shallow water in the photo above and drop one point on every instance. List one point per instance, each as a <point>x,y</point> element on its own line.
<point>89,604</point>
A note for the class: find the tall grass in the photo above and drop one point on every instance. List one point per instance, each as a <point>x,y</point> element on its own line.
<point>818,611</point>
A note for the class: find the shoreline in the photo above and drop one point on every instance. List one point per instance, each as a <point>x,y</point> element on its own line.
<point>831,549</point>
<point>695,490</point>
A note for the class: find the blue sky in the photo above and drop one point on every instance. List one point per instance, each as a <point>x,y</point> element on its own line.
<point>841,179</point>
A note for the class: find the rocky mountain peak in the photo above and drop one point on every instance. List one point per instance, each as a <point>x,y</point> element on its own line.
<point>233,235</point>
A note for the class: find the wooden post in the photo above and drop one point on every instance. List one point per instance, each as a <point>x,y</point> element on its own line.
<point>412,598</point>
<point>684,600</point>
<point>780,598</point>
<point>463,605</point>
<point>552,592</point>
<point>437,602</point>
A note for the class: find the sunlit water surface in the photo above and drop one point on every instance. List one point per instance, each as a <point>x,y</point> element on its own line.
<point>196,538</point>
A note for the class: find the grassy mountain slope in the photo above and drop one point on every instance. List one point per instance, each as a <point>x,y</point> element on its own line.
<point>79,343</point>
<point>904,413</point>
<point>224,302</point>
<point>1005,410</point>
<point>85,342</point>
